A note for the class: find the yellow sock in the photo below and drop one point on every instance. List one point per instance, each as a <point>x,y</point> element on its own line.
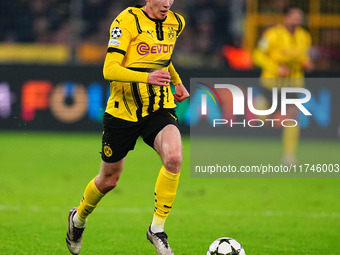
<point>290,138</point>
<point>165,193</point>
<point>91,199</point>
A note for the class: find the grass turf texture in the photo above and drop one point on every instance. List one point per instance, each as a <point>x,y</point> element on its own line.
<point>44,175</point>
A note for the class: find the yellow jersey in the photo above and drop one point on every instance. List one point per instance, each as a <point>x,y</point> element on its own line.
<point>280,47</point>
<point>138,46</point>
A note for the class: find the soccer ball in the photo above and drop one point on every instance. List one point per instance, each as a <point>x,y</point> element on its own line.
<point>226,246</point>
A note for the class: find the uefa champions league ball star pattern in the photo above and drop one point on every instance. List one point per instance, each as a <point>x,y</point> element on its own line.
<point>116,33</point>
<point>226,246</point>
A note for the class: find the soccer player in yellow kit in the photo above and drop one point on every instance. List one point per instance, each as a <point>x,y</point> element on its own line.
<point>282,52</point>
<point>138,66</point>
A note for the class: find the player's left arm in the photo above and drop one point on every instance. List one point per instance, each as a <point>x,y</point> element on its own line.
<point>174,75</point>
<point>181,92</point>
<point>307,63</point>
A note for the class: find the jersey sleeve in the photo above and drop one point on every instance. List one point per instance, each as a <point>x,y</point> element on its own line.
<point>174,75</point>
<point>122,31</point>
<point>181,24</point>
<point>260,55</point>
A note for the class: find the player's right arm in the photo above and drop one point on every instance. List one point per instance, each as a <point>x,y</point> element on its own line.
<point>262,59</point>
<point>114,71</point>
<point>122,31</point>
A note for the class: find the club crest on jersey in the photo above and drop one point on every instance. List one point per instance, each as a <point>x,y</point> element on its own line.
<point>171,34</point>
<point>116,33</point>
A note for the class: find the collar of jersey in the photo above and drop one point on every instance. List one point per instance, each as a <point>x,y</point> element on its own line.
<point>154,20</point>
<point>286,29</point>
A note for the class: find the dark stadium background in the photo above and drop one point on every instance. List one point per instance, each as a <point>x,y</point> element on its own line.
<point>63,44</point>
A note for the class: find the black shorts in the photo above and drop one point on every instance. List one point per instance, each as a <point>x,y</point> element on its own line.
<point>120,136</point>
<point>268,95</point>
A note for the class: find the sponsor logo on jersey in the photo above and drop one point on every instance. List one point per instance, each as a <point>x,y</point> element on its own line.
<point>145,49</point>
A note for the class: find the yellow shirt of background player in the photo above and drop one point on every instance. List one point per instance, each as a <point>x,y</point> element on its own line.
<point>280,47</point>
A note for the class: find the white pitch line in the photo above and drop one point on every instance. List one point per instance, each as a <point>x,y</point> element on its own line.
<point>111,210</point>
<point>270,213</point>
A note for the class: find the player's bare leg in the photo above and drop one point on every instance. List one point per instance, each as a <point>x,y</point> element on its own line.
<point>94,192</point>
<point>109,175</point>
<point>168,144</point>
<point>290,138</point>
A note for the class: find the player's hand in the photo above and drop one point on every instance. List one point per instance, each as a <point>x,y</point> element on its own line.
<point>308,66</point>
<point>160,78</point>
<point>283,71</point>
<point>181,93</point>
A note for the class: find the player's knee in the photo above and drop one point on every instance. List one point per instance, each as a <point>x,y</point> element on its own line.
<point>173,161</point>
<point>108,184</point>
<point>112,182</point>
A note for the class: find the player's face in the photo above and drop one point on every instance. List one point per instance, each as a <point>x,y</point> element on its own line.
<point>294,19</point>
<point>158,9</point>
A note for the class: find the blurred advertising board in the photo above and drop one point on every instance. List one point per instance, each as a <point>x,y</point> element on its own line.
<point>73,98</point>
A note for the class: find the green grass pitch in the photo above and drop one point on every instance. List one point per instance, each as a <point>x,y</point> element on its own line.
<point>42,176</point>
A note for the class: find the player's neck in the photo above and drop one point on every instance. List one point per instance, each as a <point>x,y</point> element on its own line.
<point>290,29</point>
<point>149,12</point>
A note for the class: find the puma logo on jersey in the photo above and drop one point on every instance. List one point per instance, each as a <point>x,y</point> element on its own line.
<point>173,116</point>
<point>150,33</point>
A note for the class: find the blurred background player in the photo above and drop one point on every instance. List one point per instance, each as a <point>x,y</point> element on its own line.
<point>138,66</point>
<point>283,52</point>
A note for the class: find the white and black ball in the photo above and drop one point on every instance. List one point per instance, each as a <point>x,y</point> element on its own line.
<point>226,246</point>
